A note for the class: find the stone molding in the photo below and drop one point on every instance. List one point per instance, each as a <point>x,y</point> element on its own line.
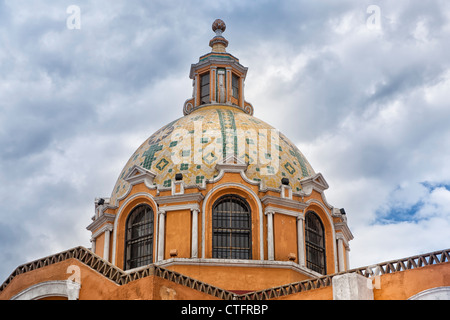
<point>58,288</point>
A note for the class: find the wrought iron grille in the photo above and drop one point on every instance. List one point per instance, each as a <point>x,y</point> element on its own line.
<point>139,237</point>
<point>315,243</point>
<point>231,234</point>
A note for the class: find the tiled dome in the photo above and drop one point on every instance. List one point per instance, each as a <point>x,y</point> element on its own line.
<point>194,144</point>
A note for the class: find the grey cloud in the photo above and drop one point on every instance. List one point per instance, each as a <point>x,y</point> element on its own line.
<point>76,103</point>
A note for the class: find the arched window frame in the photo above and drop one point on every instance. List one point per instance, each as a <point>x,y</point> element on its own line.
<point>144,254</point>
<point>315,243</point>
<point>232,231</point>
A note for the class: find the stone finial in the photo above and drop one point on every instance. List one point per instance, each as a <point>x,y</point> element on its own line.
<point>219,27</point>
<point>218,43</point>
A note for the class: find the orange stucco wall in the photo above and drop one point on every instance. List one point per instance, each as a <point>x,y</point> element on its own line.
<point>285,235</point>
<point>325,293</point>
<point>405,284</point>
<point>240,278</point>
<point>178,233</point>
<point>94,286</point>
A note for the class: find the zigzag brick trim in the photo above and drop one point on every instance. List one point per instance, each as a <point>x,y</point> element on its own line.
<point>117,275</point>
<point>393,266</point>
<point>120,277</point>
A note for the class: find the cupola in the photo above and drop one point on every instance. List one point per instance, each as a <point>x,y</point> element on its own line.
<point>218,77</point>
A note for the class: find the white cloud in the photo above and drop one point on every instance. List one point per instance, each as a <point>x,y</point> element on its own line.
<point>435,205</point>
<point>384,242</point>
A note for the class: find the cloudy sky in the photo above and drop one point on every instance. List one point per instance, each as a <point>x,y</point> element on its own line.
<point>362,88</point>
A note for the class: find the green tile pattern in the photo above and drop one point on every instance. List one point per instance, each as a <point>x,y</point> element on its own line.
<point>222,129</point>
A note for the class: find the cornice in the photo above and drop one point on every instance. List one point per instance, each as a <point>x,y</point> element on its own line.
<point>105,218</point>
<point>293,204</point>
<point>187,197</point>
<point>106,227</point>
<point>217,59</point>
<point>344,229</point>
<point>283,211</point>
<point>239,263</point>
<point>187,206</point>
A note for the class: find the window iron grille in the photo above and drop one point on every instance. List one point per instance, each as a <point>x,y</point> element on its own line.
<point>315,243</point>
<point>231,234</point>
<point>139,237</point>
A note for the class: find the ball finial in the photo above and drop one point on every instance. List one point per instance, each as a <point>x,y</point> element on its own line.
<point>218,26</point>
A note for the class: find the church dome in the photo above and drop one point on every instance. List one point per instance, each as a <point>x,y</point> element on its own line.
<point>218,123</point>
<point>217,187</point>
<point>194,144</point>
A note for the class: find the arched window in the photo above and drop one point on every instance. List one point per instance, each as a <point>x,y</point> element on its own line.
<point>139,237</point>
<point>231,228</point>
<point>315,243</point>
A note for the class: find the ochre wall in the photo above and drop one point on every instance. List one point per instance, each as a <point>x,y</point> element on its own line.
<point>325,293</point>
<point>178,233</point>
<point>405,284</point>
<point>240,278</point>
<point>93,285</point>
<point>285,236</point>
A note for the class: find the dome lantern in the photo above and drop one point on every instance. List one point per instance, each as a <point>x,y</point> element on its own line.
<point>218,77</point>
